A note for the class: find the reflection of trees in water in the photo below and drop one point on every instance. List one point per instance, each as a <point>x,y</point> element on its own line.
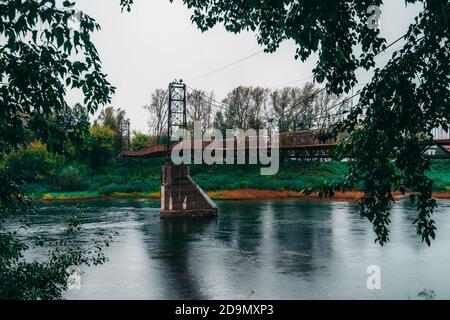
<point>288,236</point>
<point>176,238</point>
<point>303,232</point>
<point>356,232</point>
<point>240,228</point>
<point>403,229</point>
<point>300,233</point>
<point>405,213</point>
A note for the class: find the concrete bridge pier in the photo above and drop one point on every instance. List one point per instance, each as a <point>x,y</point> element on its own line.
<point>181,196</point>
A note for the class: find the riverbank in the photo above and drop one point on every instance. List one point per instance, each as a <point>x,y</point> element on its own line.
<point>242,194</point>
<point>89,195</point>
<point>140,179</point>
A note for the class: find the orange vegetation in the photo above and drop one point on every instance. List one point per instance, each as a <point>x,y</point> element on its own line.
<point>242,194</point>
<point>253,194</point>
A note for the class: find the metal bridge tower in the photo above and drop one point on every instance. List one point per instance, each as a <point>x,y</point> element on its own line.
<point>125,135</point>
<point>180,195</point>
<point>177,114</point>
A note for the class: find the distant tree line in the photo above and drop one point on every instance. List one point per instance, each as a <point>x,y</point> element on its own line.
<point>287,109</point>
<point>75,142</point>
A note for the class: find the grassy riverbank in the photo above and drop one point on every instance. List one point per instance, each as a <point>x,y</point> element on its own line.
<point>140,178</point>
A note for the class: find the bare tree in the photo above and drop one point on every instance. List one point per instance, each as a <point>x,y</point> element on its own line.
<point>244,107</point>
<point>219,122</point>
<point>289,108</point>
<point>158,110</point>
<point>237,107</point>
<point>258,103</point>
<point>327,109</point>
<point>200,108</point>
<point>280,109</point>
<point>303,108</point>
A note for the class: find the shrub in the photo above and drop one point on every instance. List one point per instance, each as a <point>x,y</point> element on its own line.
<point>99,146</point>
<point>136,186</point>
<point>140,141</point>
<point>32,163</point>
<point>71,178</point>
<point>38,189</point>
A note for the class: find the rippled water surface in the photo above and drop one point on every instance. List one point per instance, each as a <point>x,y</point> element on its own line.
<point>254,250</point>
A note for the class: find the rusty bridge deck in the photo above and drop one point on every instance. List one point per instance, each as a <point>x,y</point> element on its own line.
<point>305,143</point>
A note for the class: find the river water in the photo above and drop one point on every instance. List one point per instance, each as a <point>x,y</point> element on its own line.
<point>253,250</point>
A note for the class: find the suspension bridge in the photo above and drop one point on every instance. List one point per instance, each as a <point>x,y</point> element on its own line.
<point>182,197</point>
<point>298,144</point>
<point>301,144</point>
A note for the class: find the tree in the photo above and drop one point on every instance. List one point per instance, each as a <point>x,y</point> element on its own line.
<point>158,112</point>
<point>219,123</point>
<point>31,163</point>
<point>71,125</point>
<point>237,107</point>
<point>39,53</point>
<point>293,108</point>
<point>140,141</point>
<point>258,101</point>
<point>404,102</point>
<point>100,145</point>
<point>304,111</point>
<point>281,109</point>
<point>113,119</point>
<point>41,58</point>
<point>314,108</point>
<point>290,108</point>
<point>199,108</point>
<point>244,107</point>
<point>329,109</point>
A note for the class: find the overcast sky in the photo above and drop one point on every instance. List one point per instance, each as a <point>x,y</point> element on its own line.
<point>144,50</point>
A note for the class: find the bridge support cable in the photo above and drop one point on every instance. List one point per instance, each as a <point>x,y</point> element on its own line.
<point>226,66</point>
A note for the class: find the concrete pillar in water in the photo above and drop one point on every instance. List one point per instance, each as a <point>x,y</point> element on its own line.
<point>181,196</point>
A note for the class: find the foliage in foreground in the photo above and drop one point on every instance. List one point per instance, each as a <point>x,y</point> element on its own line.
<point>41,58</point>
<point>47,279</point>
<point>405,100</point>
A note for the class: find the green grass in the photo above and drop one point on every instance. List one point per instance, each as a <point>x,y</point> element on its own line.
<point>69,195</point>
<point>141,178</point>
<point>294,176</point>
<point>440,173</point>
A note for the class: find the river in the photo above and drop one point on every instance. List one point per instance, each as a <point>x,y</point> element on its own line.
<point>253,250</point>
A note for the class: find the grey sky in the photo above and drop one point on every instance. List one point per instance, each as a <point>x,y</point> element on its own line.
<point>156,43</point>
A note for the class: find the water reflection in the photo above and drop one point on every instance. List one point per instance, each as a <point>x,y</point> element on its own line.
<point>175,254</point>
<point>253,250</point>
<point>303,243</point>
